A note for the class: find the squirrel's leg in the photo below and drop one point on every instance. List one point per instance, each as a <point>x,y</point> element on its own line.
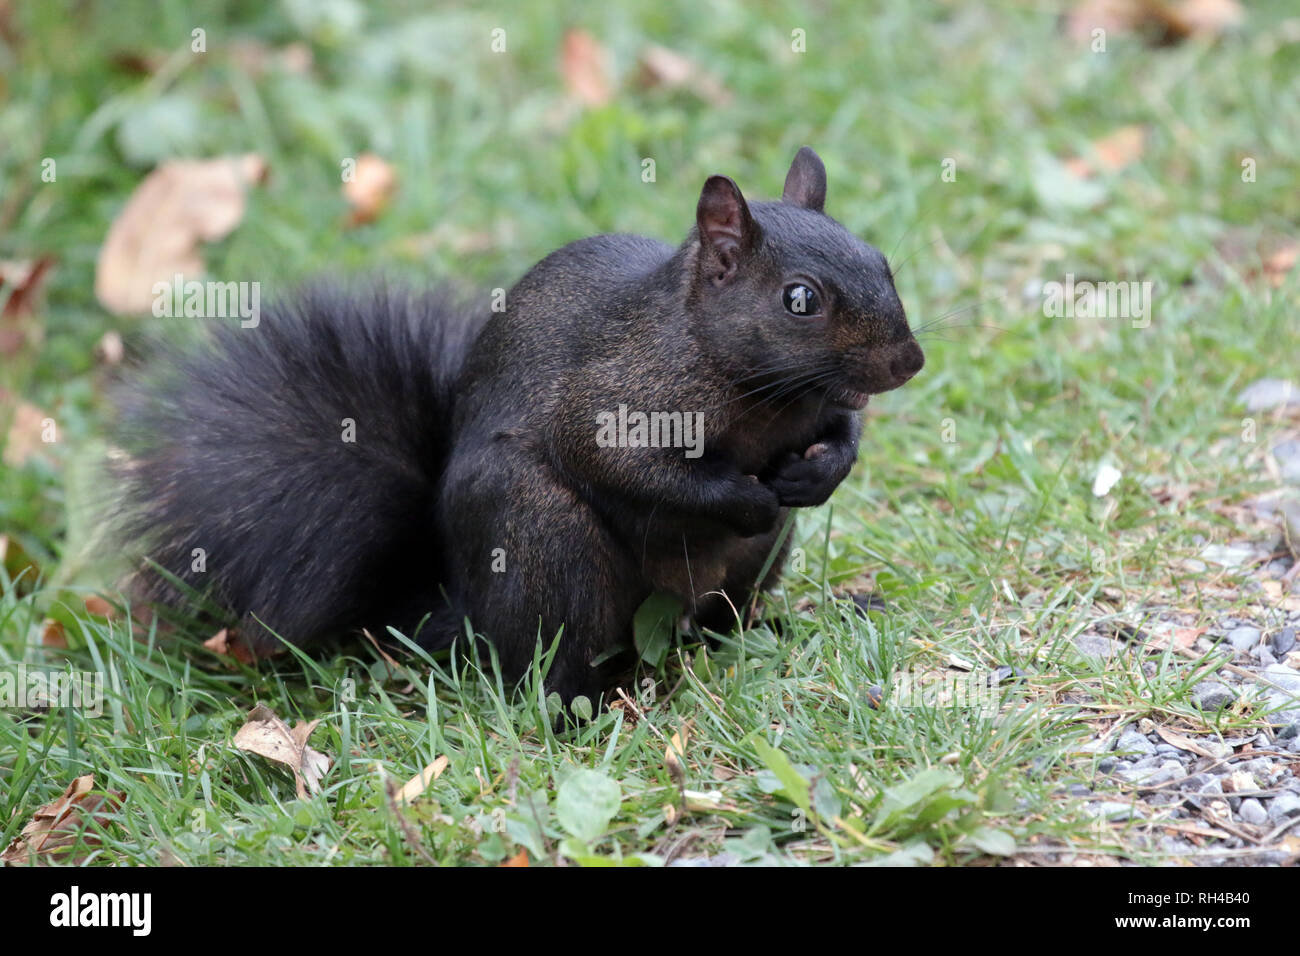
<point>528,558</point>
<point>722,612</point>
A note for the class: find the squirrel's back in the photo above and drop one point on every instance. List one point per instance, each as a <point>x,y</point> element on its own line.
<point>289,468</point>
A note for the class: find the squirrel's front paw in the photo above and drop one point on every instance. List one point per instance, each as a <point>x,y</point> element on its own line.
<point>807,480</point>
<point>753,508</point>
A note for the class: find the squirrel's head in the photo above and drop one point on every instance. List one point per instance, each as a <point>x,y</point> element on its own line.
<point>789,295</point>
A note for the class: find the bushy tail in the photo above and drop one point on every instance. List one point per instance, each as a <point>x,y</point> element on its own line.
<point>290,469</point>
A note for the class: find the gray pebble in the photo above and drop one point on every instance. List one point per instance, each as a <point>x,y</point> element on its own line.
<point>1211,695</point>
<point>1269,393</point>
<point>1260,767</point>
<point>1283,807</point>
<point>1287,454</point>
<point>1113,810</point>
<point>1284,641</point>
<point>1284,677</point>
<point>1106,764</point>
<point>1132,742</point>
<point>1091,645</point>
<point>1252,811</point>
<point>1149,776</point>
<point>1244,638</point>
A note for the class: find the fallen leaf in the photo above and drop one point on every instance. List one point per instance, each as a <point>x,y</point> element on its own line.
<point>53,634</point>
<point>228,643</point>
<point>1279,263</point>
<point>17,562</point>
<point>256,58</point>
<point>1204,18</point>
<point>268,736</point>
<point>711,801</point>
<point>1111,153</point>
<point>584,65</point>
<point>25,281</point>
<point>21,286</point>
<point>1175,739</point>
<point>519,859</point>
<point>371,185</point>
<point>675,754</point>
<point>668,69</point>
<point>1164,635</point>
<point>59,827</point>
<point>27,433</point>
<point>156,236</point>
<point>420,782</point>
<point>1162,21</point>
<point>1239,781</point>
<point>99,607</point>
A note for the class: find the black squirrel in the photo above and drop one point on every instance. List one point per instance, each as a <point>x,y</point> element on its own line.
<point>487,478</point>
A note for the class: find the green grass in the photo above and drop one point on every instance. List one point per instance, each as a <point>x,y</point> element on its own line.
<point>970,509</point>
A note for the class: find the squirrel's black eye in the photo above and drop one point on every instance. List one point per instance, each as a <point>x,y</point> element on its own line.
<point>800,300</point>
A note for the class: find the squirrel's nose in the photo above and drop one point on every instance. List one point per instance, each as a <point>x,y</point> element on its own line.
<point>907,362</point>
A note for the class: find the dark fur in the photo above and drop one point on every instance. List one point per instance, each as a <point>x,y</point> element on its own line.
<point>458,468</point>
<point>237,449</point>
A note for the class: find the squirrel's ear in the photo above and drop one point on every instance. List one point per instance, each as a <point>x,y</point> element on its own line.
<point>805,183</point>
<point>726,228</point>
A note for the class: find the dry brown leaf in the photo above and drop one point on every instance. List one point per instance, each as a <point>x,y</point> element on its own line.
<point>256,58</point>
<point>156,236</point>
<point>1205,18</point>
<point>519,859</point>
<point>56,828</point>
<point>1111,153</point>
<point>53,634</point>
<point>228,643</point>
<point>1255,256</point>
<point>1183,637</point>
<point>1239,781</point>
<point>22,284</point>
<point>585,68</point>
<point>16,561</point>
<point>268,736</point>
<point>1279,263</point>
<point>26,439</point>
<point>99,607</point>
<point>420,782</point>
<point>675,754</point>
<point>668,69</point>
<point>1175,739</point>
<point>371,185</point>
<point>1162,21</point>
<point>23,281</point>
<point>710,801</point>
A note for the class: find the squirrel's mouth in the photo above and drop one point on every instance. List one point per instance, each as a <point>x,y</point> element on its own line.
<point>848,397</point>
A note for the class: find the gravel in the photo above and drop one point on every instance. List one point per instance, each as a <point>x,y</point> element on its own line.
<point>1132,742</point>
<point>1092,645</point>
<point>1252,811</point>
<point>1285,806</point>
<point>1211,695</point>
<point>1244,638</point>
<point>1269,393</point>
